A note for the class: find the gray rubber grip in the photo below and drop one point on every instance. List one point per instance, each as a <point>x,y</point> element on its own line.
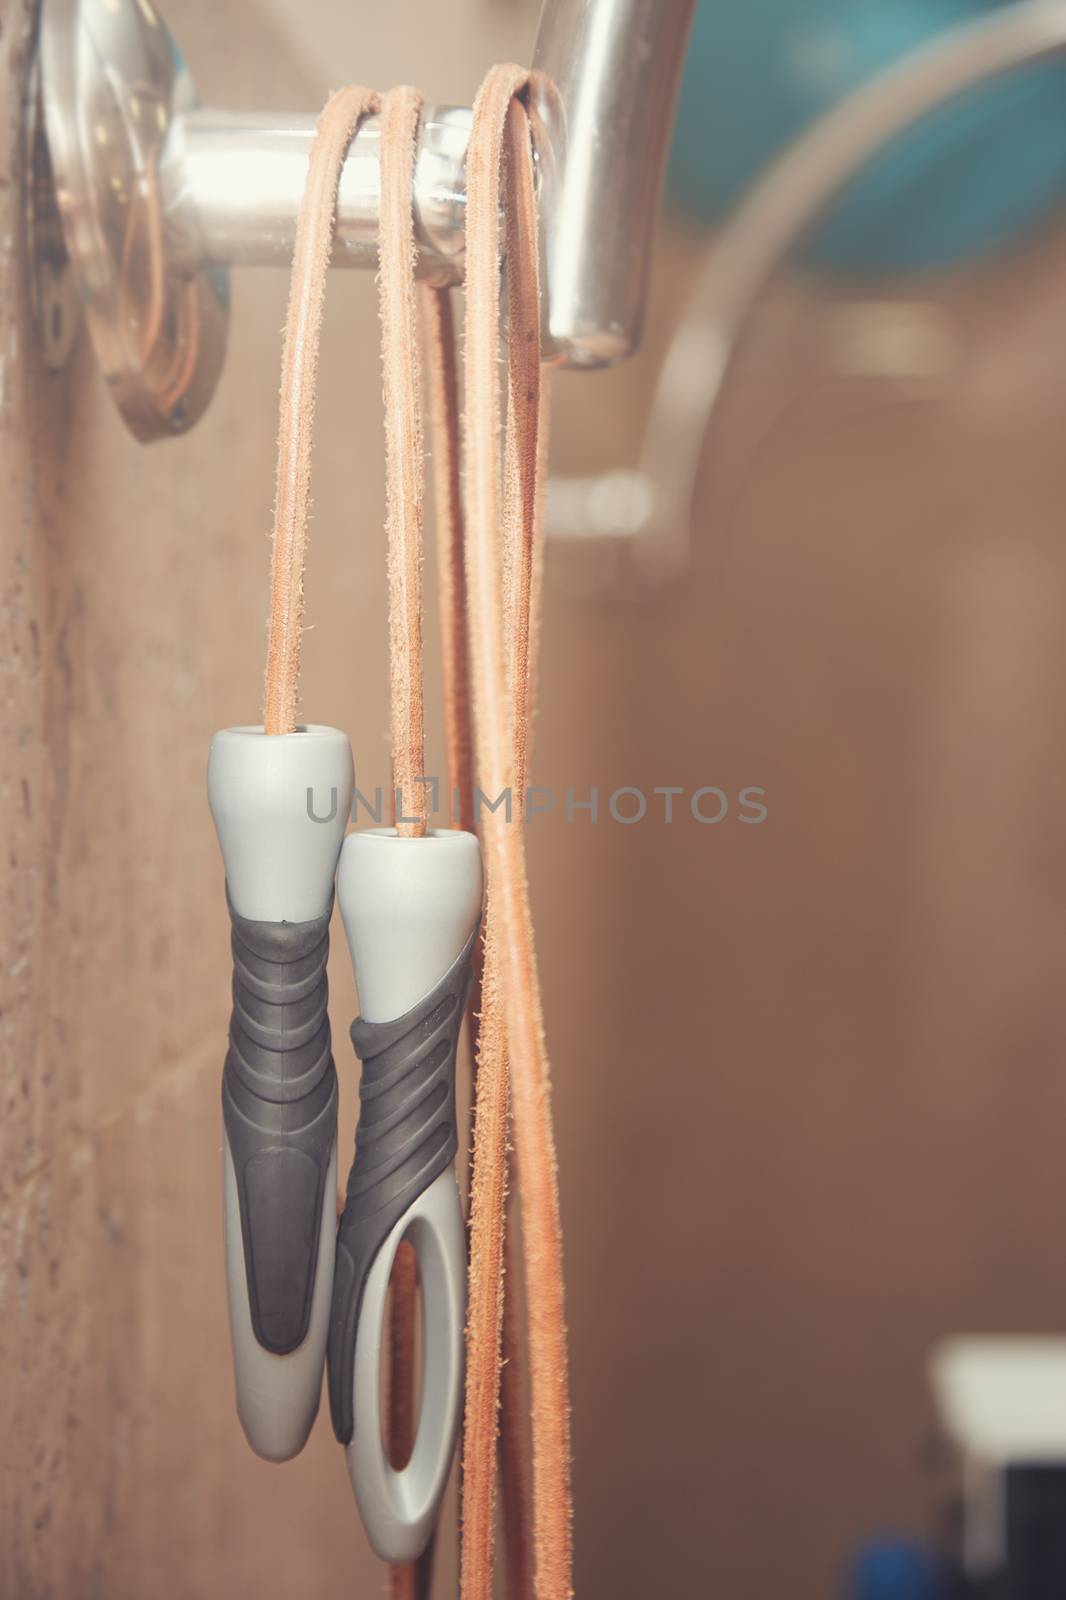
<point>279,1102</point>
<point>405,1139</point>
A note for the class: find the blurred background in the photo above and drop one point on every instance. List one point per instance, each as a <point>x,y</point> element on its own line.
<point>808,1075</point>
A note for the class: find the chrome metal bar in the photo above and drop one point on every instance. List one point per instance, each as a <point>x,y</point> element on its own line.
<point>607,75</point>
<point>157,197</point>
<point>232,184</point>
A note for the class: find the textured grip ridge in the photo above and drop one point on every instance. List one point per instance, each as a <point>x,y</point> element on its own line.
<point>405,1139</point>
<point>279,1104</point>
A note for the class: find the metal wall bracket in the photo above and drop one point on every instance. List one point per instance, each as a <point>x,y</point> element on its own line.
<point>156,198</point>
<point>113,87</point>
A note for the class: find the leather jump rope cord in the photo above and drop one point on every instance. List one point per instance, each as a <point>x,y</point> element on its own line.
<point>514,1400</point>
<point>404,451</point>
<point>299,370</point>
<point>511,1035</point>
<point>442,388</point>
<point>478,1483</point>
<point>525,436</point>
<point>512,1448</point>
<point>499,597</point>
<point>492,1294</point>
<point>401,112</point>
<point>443,394</point>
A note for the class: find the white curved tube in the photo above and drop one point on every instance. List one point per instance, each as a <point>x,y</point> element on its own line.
<point>778,211</point>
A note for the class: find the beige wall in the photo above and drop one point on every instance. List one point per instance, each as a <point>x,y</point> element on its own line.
<point>807,1081</point>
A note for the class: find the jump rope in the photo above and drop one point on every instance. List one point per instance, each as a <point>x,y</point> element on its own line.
<point>302,1294</point>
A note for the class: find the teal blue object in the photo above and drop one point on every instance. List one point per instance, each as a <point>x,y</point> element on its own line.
<point>895,1569</point>
<point>968,180</point>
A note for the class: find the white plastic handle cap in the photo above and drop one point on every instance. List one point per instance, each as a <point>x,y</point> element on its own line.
<point>281,804</point>
<point>409,906</point>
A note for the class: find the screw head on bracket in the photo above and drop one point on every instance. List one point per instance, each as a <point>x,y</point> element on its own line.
<point>112,86</point>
